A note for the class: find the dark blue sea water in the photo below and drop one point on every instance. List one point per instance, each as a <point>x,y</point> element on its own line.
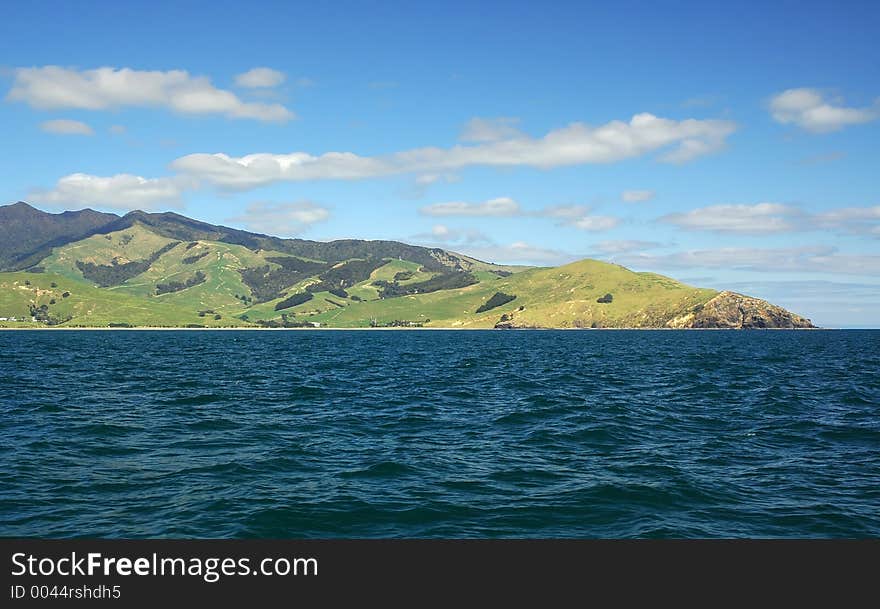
<point>440,434</point>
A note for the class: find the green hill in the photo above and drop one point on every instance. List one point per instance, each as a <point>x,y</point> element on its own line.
<point>165,270</point>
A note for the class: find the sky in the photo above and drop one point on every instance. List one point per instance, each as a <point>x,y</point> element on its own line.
<point>728,145</point>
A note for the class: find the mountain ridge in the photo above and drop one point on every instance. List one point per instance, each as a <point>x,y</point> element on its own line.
<point>26,232</point>
<point>177,226</point>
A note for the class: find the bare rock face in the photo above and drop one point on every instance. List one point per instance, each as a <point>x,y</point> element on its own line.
<point>509,321</point>
<point>736,311</point>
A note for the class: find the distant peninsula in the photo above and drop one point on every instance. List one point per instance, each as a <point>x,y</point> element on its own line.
<point>97,270</point>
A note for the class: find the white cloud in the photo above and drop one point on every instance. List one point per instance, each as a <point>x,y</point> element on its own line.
<point>434,178</point>
<point>689,150</point>
<point>281,219</point>
<point>422,183</point>
<point>122,191</point>
<point>256,170</point>
<point>575,144</point>
<point>569,215</point>
<point>440,233</point>
<point>809,259</point>
<point>636,196</point>
<point>502,206</point>
<point>63,126</point>
<point>765,218</point>
<point>856,220</point>
<point>811,110</point>
<point>625,247</point>
<point>564,212</point>
<point>846,215</point>
<point>595,223</point>
<point>520,252</point>
<point>490,129</point>
<point>257,78</point>
<point>53,87</point>
<point>755,219</point>
<point>117,129</point>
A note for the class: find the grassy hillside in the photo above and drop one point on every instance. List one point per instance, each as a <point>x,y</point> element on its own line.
<point>86,305</point>
<point>145,274</point>
<point>542,297</point>
<point>568,296</point>
<point>562,297</point>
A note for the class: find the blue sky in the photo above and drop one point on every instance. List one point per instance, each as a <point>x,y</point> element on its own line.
<point>725,144</point>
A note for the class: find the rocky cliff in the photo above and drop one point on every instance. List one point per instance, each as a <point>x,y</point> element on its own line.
<point>736,311</point>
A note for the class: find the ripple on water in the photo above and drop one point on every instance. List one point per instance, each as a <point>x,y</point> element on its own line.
<point>449,434</point>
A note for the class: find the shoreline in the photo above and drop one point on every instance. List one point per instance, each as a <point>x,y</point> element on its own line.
<point>435,328</point>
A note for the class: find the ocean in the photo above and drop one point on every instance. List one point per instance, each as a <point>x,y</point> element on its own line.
<point>452,434</point>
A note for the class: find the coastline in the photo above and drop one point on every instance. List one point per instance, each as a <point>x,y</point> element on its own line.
<point>432,328</point>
